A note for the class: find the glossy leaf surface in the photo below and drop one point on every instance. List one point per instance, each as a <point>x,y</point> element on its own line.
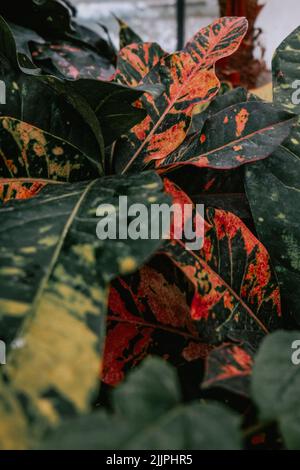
<point>188,80</point>
<point>236,291</point>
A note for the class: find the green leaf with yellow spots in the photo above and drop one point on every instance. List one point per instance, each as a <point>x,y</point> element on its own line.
<point>54,279</point>
<point>29,157</point>
<point>273,187</point>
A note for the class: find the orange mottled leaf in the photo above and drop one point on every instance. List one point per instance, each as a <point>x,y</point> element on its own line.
<point>135,61</point>
<point>19,189</point>
<point>234,136</point>
<point>189,79</point>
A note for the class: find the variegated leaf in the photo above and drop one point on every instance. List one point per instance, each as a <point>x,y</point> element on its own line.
<point>67,60</point>
<point>286,84</point>
<point>30,153</point>
<point>189,79</point>
<point>149,314</point>
<point>236,292</point>
<point>126,34</point>
<point>54,275</point>
<point>230,367</point>
<point>237,135</point>
<point>135,61</point>
<point>219,103</point>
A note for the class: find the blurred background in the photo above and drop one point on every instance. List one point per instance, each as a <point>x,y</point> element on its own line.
<point>155,20</point>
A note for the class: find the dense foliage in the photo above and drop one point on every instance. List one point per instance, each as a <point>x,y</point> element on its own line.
<point>84,124</point>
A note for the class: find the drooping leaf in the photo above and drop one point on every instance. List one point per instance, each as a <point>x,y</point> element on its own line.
<point>236,292</point>
<point>149,314</point>
<point>112,104</point>
<point>276,383</point>
<point>237,135</point>
<point>60,114</point>
<point>55,20</point>
<point>273,186</point>
<point>148,414</point>
<point>24,38</point>
<point>67,106</point>
<point>67,60</point>
<point>55,274</point>
<point>189,79</point>
<point>230,366</point>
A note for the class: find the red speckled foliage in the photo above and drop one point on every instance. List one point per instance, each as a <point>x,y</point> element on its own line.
<point>236,291</point>
<point>232,295</point>
<point>150,314</point>
<point>230,366</point>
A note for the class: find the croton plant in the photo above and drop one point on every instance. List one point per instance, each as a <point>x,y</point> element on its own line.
<point>143,344</point>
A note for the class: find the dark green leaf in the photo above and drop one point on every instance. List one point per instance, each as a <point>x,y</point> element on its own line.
<point>273,186</point>
<point>149,415</point>
<point>37,101</point>
<point>276,384</point>
<point>66,60</point>
<point>47,17</point>
<point>112,104</point>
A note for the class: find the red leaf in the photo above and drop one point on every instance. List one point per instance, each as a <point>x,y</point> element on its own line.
<point>229,366</point>
<point>149,315</point>
<point>236,292</point>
